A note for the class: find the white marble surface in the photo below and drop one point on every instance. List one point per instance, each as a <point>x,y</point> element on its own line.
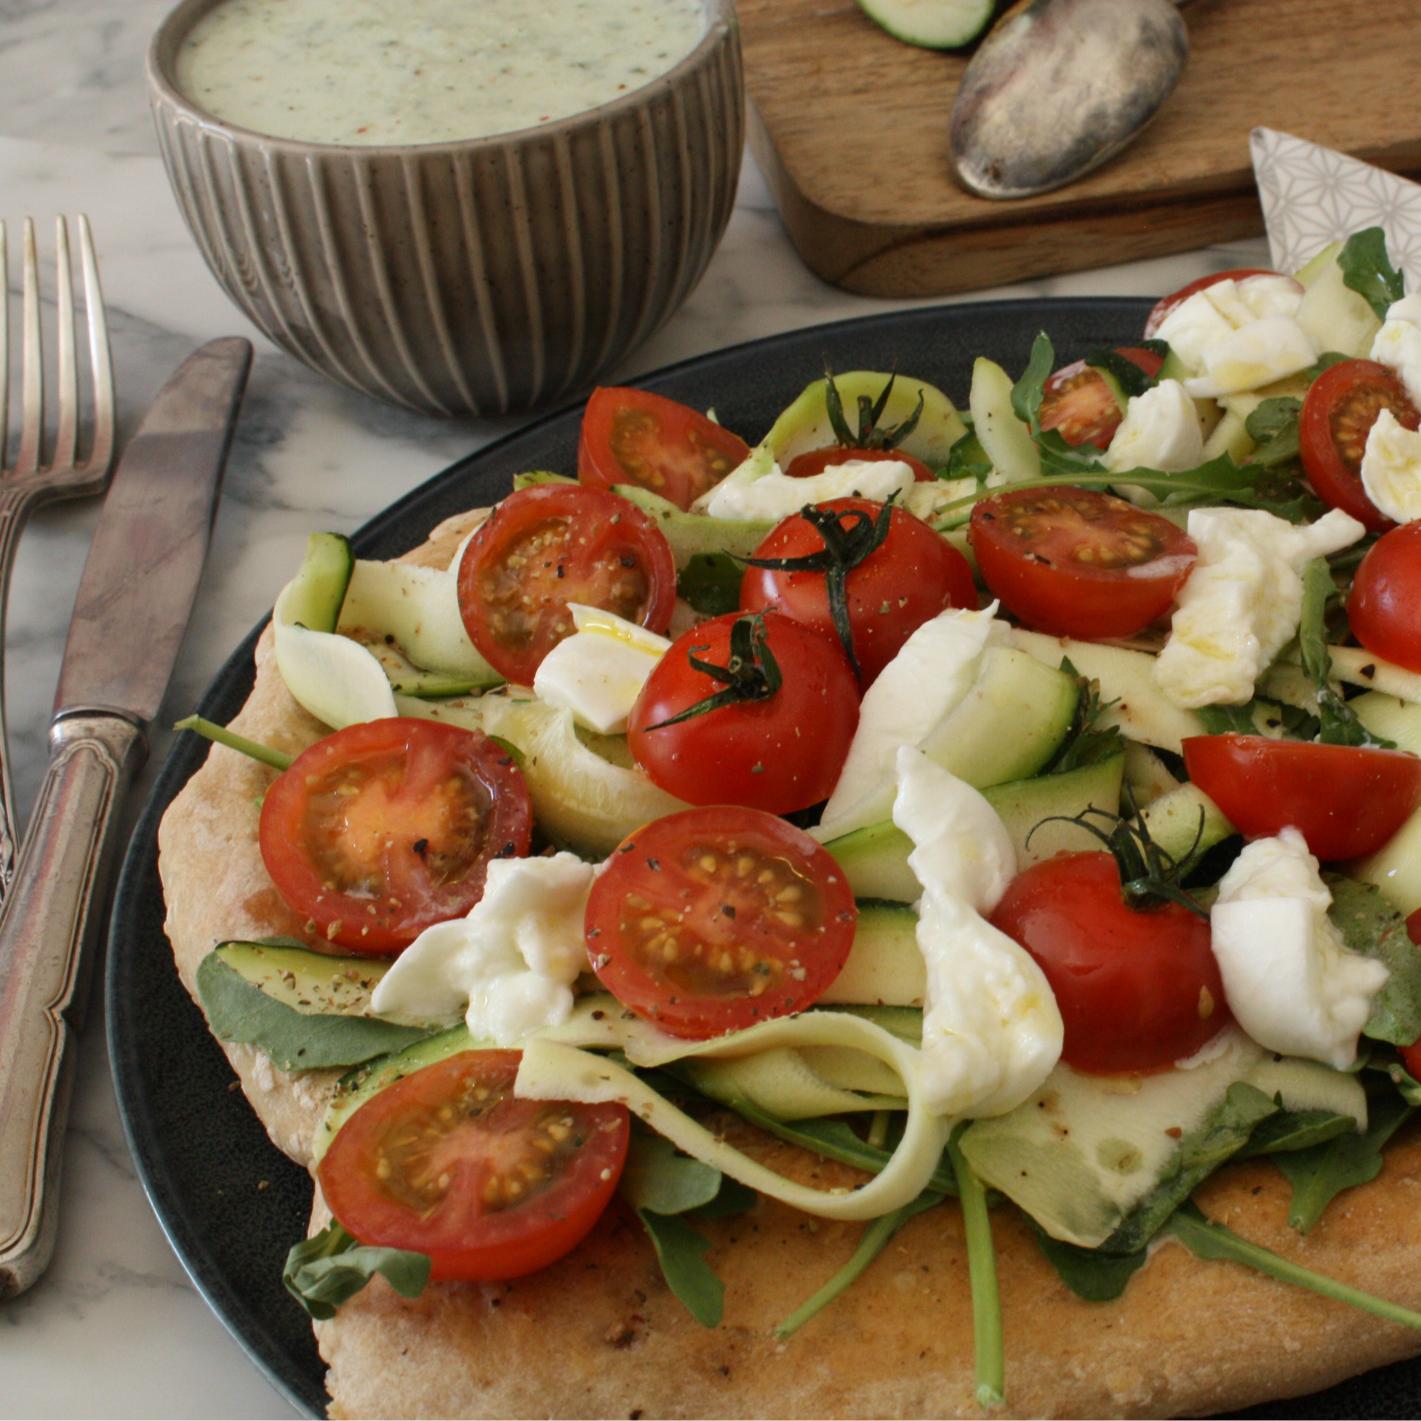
<point>115,1329</point>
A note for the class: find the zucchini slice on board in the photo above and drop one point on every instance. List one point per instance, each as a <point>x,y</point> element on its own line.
<point>931,24</point>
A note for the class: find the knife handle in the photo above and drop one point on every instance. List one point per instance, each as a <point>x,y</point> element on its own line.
<point>47,935</point>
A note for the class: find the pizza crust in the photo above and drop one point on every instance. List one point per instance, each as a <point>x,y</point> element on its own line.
<point>600,1335</point>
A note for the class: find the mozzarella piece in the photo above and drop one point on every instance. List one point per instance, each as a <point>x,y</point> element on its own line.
<point>1194,325</point>
<point>1160,431</point>
<point>1268,295</point>
<point>759,489</point>
<point>1290,982</point>
<point>1407,309</point>
<point>991,1029</point>
<point>1391,468</point>
<point>334,678</point>
<point>508,967</point>
<point>932,672</point>
<point>1243,600</point>
<point>1252,355</point>
<point>1398,345</point>
<point>598,672</point>
<point>963,847</point>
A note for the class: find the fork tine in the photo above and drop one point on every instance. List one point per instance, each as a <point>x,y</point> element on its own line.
<point>31,369</point>
<point>100,362</point>
<point>4,347</point>
<point>68,391</point>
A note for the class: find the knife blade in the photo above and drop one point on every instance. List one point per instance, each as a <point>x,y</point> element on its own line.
<point>132,607</point>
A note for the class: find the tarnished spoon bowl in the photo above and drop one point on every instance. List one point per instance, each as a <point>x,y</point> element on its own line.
<point>1059,88</point>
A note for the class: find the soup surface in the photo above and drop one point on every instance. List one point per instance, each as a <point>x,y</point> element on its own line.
<point>425,71</point>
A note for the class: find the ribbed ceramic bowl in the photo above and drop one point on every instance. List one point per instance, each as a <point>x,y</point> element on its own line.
<point>470,278</point>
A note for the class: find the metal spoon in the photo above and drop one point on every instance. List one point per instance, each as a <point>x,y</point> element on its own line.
<point>1059,87</point>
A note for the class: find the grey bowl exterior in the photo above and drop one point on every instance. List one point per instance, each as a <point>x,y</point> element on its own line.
<point>471,278</point>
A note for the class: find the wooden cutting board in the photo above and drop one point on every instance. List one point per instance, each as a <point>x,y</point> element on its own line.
<point>851,129</point>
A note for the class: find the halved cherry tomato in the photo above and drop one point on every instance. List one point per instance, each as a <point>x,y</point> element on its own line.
<point>1138,989</point>
<point>1384,608</point>
<point>1344,800</point>
<point>634,437</point>
<point>905,581</point>
<point>815,461</point>
<point>1079,403</point>
<point>552,544</point>
<point>713,919</point>
<point>1166,304</point>
<point>1074,562</point>
<point>781,752</point>
<point>448,1162</point>
<point>385,827</point>
<point>1339,410</point>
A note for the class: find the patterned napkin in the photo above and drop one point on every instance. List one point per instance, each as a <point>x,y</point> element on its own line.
<point>1312,196</point>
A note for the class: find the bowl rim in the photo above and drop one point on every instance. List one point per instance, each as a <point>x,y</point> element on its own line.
<point>722,24</point>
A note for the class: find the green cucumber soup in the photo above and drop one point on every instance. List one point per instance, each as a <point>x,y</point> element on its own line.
<point>425,71</point>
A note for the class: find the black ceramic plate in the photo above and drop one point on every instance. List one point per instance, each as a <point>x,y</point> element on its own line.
<point>229,1203</point>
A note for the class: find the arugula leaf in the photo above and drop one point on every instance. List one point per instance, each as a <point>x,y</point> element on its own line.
<point>665,1188</point>
<point>1339,724</point>
<point>660,1178</point>
<point>1215,1243</point>
<point>1126,374</point>
<point>1273,427</point>
<point>1087,742</point>
<point>1028,392</point>
<point>1067,461</point>
<point>710,582</point>
<point>982,1279</point>
<point>733,1199</point>
<point>681,1250</point>
<point>324,1270</point>
<point>1406,1083</point>
<point>967,460</point>
<point>1367,269</point>
<point>1320,1174</point>
<point>1371,926</point>
<point>239,1010</point>
<point>874,1239</point>
<point>220,735</point>
<point>833,1139</point>
<point>1090,1273</point>
<point>1325,361</point>
<point>1296,1130</point>
<point>1255,717</point>
<point>1223,1134</point>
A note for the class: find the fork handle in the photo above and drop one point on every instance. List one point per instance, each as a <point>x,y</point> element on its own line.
<point>47,945</point>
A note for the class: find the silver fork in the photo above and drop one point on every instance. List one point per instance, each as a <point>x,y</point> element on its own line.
<point>44,470</point>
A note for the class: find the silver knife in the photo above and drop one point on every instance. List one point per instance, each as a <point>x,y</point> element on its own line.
<point>130,613</point>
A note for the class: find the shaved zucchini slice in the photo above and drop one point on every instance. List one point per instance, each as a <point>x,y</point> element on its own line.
<point>931,24</point>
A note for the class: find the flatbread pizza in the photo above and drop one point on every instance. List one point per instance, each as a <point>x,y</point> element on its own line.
<point>1129,1251</point>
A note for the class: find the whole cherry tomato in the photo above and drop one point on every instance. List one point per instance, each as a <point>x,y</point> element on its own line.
<point>1138,989</point>
<point>900,581</point>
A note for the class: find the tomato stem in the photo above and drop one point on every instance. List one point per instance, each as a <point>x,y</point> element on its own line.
<point>874,1239</point>
<point>845,547</point>
<point>1148,873</point>
<point>751,672</point>
<point>869,435</point>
